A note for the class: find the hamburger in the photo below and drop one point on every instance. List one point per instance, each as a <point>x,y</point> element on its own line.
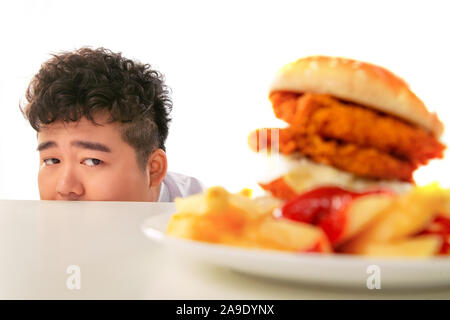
<point>355,135</point>
<point>350,123</point>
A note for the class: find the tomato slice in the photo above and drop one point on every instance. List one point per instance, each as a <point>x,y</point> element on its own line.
<point>325,207</point>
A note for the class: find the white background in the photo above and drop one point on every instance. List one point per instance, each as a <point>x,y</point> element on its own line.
<point>218,58</point>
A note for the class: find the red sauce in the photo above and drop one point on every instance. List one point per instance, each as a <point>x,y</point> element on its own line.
<point>316,248</point>
<point>441,227</point>
<point>325,207</point>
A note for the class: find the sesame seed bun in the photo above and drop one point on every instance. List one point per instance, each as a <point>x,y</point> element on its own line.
<point>359,82</point>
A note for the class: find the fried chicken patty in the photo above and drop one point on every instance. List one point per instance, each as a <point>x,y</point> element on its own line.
<point>350,137</point>
<point>365,162</point>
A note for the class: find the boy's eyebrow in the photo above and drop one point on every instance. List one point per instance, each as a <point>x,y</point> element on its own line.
<point>46,145</point>
<point>77,143</point>
<point>90,145</point>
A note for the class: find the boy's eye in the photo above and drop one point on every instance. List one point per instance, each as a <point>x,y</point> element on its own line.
<point>92,162</point>
<point>51,161</point>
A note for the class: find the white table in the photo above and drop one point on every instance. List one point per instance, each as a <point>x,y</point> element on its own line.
<point>40,239</point>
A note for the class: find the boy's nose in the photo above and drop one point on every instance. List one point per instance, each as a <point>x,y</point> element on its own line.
<point>69,186</point>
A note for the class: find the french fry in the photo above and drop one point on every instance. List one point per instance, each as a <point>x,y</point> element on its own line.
<point>361,212</point>
<point>234,219</point>
<point>283,234</point>
<point>407,215</point>
<point>420,246</point>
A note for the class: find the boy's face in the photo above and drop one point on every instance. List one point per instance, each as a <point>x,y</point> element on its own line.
<point>83,161</point>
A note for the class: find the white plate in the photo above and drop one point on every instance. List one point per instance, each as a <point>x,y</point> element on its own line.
<point>328,270</point>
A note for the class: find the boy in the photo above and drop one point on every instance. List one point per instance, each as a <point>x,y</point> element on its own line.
<point>101,122</point>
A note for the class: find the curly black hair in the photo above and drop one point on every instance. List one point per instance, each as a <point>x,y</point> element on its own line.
<point>77,84</point>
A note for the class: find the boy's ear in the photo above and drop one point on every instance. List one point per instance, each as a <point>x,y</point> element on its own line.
<point>156,167</point>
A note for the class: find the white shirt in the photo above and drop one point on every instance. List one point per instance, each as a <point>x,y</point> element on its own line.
<point>178,185</point>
